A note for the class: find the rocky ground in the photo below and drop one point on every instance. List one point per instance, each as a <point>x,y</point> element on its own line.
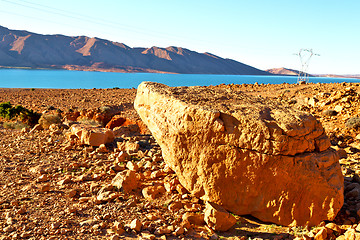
<point>52,186</point>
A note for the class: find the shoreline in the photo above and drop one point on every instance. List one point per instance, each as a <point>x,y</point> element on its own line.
<point>130,70</point>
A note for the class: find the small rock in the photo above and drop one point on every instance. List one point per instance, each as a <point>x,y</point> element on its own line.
<point>175,206</point>
<point>338,108</point>
<point>351,234</point>
<point>181,189</point>
<point>117,168</point>
<point>218,218</point>
<point>72,193</point>
<point>153,192</point>
<point>125,181</point>
<point>55,225</point>
<point>89,222</point>
<point>171,185</point>
<point>334,227</point>
<point>114,237</point>
<point>162,230</point>
<point>194,218</point>
<point>21,211</point>
<point>132,166</point>
<point>330,112</point>
<point>102,148</point>
<point>135,225</point>
<point>129,147</point>
<point>147,236</point>
<point>42,178</point>
<point>45,188</point>
<point>152,216</point>
<point>321,235</point>
<point>66,180</point>
<point>8,229</point>
<point>72,209</point>
<point>25,235</point>
<point>156,174</point>
<point>84,177</point>
<point>92,136</point>
<point>178,231</point>
<point>103,196</point>
<point>122,157</point>
<point>342,153</point>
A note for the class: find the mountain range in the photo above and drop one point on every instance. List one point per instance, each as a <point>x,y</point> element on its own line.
<point>32,50</point>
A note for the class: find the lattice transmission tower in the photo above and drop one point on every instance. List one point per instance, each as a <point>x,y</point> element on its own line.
<point>305,56</point>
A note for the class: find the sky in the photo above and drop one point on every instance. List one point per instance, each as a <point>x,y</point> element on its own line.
<point>261,33</point>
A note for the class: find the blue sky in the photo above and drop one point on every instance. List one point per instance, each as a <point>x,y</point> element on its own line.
<point>261,33</point>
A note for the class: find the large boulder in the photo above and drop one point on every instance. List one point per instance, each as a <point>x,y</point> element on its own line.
<point>249,155</point>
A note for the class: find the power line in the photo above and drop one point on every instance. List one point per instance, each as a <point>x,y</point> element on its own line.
<point>100,22</point>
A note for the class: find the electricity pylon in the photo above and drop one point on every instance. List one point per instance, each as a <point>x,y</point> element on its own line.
<point>305,56</point>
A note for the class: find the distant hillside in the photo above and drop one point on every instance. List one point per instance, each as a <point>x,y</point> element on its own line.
<point>26,49</point>
<point>284,71</point>
<point>292,72</point>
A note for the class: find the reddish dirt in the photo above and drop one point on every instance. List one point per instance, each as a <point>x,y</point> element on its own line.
<point>50,189</point>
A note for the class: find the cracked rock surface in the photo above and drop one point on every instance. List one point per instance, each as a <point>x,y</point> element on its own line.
<point>247,154</point>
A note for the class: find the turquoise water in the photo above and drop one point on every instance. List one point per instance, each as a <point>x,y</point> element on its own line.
<point>18,78</point>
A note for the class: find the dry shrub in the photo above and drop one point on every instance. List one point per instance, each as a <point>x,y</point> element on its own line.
<point>15,125</point>
<point>47,119</point>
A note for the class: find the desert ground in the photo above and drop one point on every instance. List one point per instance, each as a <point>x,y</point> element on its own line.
<point>53,187</point>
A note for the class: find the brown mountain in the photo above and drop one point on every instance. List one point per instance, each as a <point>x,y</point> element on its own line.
<point>26,49</point>
<point>283,71</point>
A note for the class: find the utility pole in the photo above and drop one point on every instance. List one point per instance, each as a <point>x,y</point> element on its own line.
<point>305,56</point>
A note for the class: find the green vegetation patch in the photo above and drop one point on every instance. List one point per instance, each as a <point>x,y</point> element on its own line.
<point>29,117</point>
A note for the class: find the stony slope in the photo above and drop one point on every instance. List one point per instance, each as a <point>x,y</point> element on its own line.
<point>51,190</point>
<point>26,49</point>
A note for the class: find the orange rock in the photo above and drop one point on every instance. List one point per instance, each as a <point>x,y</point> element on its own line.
<point>194,218</point>
<point>252,156</point>
<point>135,225</point>
<point>321,235</point>
<point>126,181</point>
<point>128,146</point>
<point>351,234</point>
<point>175,206</point>
<point>92,136</point>
<point>218,218</point>
<point>153,192</point>
<point>118,121</point>
<point>71,116</point>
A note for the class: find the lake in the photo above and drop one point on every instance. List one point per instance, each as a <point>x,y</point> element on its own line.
<point>62,79</point>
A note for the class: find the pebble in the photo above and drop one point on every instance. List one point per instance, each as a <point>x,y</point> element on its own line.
<point>89,222</point>
<point>162,230</point>
<point>135,225</point>
<point>43,178</point>
<point>175,206</point>
<point>21,211</point>
<point>72,193</point>
<point>321,235</point>
<point>179,231</point>
<point>8,229</point>
<point>153,192</point>
<point>114,237</point>
<point>45,188</point>
<point>147,236</point>
<point>132,166</point>
<point>55,225</point>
